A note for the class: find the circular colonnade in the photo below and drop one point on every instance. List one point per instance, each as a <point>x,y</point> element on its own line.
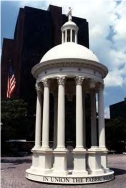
<point>72,70</point>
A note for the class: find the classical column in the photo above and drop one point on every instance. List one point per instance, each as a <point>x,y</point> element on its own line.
<point>79,113</point>
<point>93,119</point>
<point>35,156</point>
<point>65,35</point>
<point>55,120</point>
<point>79,153</point>
<point>71,35</point>
<point>45,129</point>
<point>101,121</point>
<point>84,122</point>
<point>60,153</point>
<point>101,117</point>
<point>75,37</point>
<point>38,116</point>
<point>94,154</point>
<point>45,155</point>
<point>62,37</point>
<point>61,113</point>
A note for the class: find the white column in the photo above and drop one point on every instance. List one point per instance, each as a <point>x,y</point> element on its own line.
<point>45,130</point>
<point>55,120</point>
<point>93,119</point>
<point>84,122</point>
<point>79,113</point>
<point>38,116</point>
<point>101,117</point>
<point>101,121</point>
<point>79,153</point>
<point>65,35</point>
<point>71,35</point>
<point>61,113</point>
<point>45,154</point>
<point>94,154</point>
<point>62,37</point>
<point>60,153</point>
<point>75,37</point>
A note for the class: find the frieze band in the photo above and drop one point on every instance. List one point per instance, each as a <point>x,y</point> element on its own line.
<point>76,180</point>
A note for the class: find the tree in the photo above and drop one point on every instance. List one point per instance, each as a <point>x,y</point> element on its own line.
<point>116,134</point>
<point>15,120</point>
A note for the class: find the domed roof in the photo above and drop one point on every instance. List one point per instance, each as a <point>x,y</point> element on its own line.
<point>69,23</point>
<point>69,50</point>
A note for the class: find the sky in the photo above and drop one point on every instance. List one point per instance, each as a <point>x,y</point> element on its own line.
<point>107,36</point>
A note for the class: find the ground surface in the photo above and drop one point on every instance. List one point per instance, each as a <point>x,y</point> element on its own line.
<point>13,174</point>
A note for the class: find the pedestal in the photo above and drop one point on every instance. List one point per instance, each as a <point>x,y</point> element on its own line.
<point>60,162</point>
<point>104,162</point>
<point>94,161</point>
<point>79,156</point>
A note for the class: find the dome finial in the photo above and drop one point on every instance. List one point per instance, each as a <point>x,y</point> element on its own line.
<point>69,14</point>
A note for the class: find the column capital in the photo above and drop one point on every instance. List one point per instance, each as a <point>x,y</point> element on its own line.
<point>92,84</point>
<point>38,87</point>
<point>46,82</point>
<point>101,86</point>
<point>61,80</point>
<point>79,80</point>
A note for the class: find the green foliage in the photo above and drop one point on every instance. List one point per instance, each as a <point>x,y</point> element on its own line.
<point>16,121</point>
<point>13,109</point>
<point>116,134</point>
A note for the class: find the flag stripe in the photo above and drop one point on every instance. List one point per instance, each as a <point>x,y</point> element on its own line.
<point>11,82</point>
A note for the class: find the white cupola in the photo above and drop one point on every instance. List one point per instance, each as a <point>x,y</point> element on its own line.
<point>71,55</point>
<point>69,29</point>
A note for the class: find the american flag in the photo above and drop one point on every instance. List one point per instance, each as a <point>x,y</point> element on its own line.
<point>11,82</point>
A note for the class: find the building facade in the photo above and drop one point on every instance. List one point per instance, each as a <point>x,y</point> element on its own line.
<point>118,110</point>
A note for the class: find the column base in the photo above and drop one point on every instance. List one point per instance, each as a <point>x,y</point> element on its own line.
<point>79,150</point>
<point>60,161</point>
<point>94,161</point>
<point>35,160</point>
<point>35,148</point>
<point>104,161</point>
<point>45,160</point>
<point>79,155</point>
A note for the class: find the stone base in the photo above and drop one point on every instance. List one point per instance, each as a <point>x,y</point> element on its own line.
<point>94,161</point>
<point>60,162</point>
<point>79,155</point>
<point>68,179</point>
<point>42,160</point>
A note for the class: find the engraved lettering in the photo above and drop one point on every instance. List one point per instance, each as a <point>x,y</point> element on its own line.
<point>45,178</point>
